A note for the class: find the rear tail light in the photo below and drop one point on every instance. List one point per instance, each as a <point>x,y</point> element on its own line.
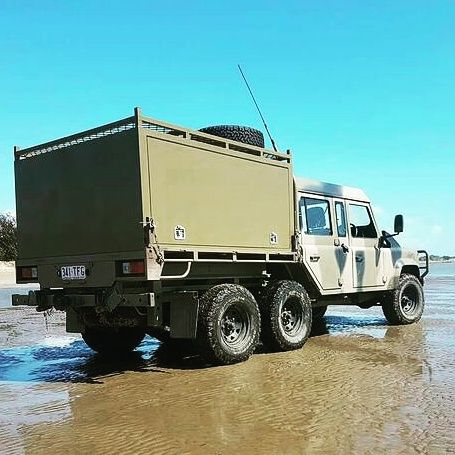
<point>136,267</point>
<point>27,273</point>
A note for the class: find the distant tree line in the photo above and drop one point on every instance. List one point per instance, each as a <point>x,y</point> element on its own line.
<point>434,257</point>
<point>8,237</point>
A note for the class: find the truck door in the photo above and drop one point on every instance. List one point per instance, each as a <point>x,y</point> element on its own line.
<point>318,240</point>
<point>366,256</point>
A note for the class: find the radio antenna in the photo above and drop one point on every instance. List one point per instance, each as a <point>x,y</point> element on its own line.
<point>257,107</point>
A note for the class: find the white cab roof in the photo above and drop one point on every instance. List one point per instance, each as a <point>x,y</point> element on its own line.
<point>330,189</point>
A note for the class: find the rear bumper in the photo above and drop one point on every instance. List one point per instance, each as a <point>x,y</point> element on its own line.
<point>44,300</point>
<point>176,312</point>
<point>24,300</point>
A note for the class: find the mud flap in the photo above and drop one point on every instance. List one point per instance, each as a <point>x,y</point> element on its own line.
<point>73,322</point>
<point>184,311</point>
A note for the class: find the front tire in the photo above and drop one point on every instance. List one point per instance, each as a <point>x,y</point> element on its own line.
<point>228,324</point>
<point>406,303</point>
<point>112,341</point>
<point>286,316</point>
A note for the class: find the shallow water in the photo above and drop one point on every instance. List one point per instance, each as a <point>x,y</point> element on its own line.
<point>358,386</point>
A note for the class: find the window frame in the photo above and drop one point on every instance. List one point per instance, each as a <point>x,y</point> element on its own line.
<point>370,215</point>
<point>304,226</point>
<point>342,204</point>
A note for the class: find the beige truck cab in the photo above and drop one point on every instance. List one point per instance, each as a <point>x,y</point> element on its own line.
<point>144,227</point>
<point>346,254</point>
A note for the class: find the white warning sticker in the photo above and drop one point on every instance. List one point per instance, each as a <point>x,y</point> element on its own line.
<point>179,233</point>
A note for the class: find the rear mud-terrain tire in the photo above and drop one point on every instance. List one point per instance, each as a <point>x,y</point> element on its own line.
<point>228,324</point>
<point>238,133</point>
<point>319,312</point>
<point>286,316</point>
<point>111,341</point>
<point>406,303</point>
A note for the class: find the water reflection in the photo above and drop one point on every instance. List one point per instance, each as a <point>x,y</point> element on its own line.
<point>68,359</point>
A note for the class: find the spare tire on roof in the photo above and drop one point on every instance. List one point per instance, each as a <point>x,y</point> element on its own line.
<point>238,133</point>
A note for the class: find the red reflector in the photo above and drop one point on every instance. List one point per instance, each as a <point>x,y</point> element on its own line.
<point>133,268</point>
<point>138,267</point>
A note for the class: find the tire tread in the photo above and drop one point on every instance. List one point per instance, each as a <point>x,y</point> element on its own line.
<point>244,134</point>
<point>391,304</point>
<point>271,332</point>
<point>207,340</point>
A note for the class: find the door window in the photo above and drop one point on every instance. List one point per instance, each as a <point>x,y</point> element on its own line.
<point>341,219</point>
<point>315,216</point>
<point>361,222</point>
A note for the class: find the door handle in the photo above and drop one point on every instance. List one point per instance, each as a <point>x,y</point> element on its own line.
<point>345,248</point>
<point>359,259</point>
<point>314,258</point>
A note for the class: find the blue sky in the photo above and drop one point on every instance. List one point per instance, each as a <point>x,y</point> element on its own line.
<point>362,92</point>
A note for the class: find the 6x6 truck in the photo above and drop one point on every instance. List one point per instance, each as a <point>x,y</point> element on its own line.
<point>143,227</point>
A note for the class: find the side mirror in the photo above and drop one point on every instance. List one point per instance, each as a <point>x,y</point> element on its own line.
<point>398,224</point>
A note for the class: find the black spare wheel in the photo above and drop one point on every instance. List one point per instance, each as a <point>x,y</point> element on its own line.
<point>238,133</point>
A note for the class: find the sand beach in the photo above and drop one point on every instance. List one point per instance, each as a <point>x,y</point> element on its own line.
<point>358,386</point>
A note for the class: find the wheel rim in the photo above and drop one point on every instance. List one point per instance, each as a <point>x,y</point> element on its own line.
<point>235,326</point>
<point>291,316</point>
<point>409,301</point>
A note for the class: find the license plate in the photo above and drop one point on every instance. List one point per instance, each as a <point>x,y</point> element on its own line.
<point>73,272</point>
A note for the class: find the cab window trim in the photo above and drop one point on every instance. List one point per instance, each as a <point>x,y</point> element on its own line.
<point>304,217</point>
<point>343,208</point>
<point>371,225</point>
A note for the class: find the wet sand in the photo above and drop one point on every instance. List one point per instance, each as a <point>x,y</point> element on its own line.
<point>358,386</point>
